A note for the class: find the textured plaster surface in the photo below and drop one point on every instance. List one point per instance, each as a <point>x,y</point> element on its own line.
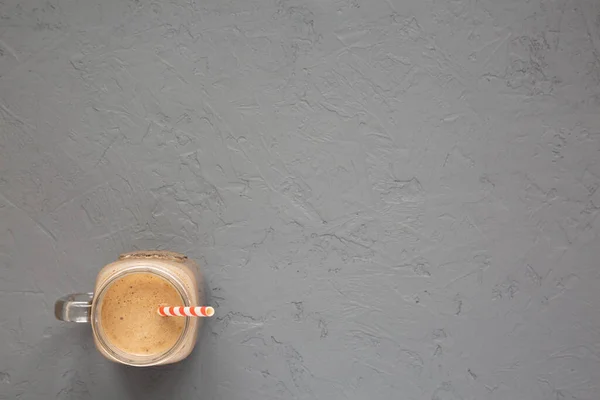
<point>390,199</point>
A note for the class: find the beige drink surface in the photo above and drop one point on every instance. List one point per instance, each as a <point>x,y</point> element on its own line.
<point>129,314</point>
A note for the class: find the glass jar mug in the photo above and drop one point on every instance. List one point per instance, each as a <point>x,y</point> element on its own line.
<point>122,310</point>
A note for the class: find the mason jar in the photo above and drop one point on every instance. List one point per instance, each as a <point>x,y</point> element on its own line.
<point>147,273</point>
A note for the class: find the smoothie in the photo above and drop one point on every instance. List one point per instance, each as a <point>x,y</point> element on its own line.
<point>129,315</point>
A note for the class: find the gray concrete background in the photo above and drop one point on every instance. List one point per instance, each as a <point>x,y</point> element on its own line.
<point>390,199</point>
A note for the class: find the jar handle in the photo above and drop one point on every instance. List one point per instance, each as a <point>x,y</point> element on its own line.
<point>75,307</point>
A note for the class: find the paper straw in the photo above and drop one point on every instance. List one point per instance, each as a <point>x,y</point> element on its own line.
<point>179,311</point>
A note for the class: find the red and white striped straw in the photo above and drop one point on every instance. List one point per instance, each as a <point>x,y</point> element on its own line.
<point>179,311</point>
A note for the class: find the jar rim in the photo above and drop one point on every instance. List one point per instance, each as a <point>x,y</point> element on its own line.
<point>113,351</point>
